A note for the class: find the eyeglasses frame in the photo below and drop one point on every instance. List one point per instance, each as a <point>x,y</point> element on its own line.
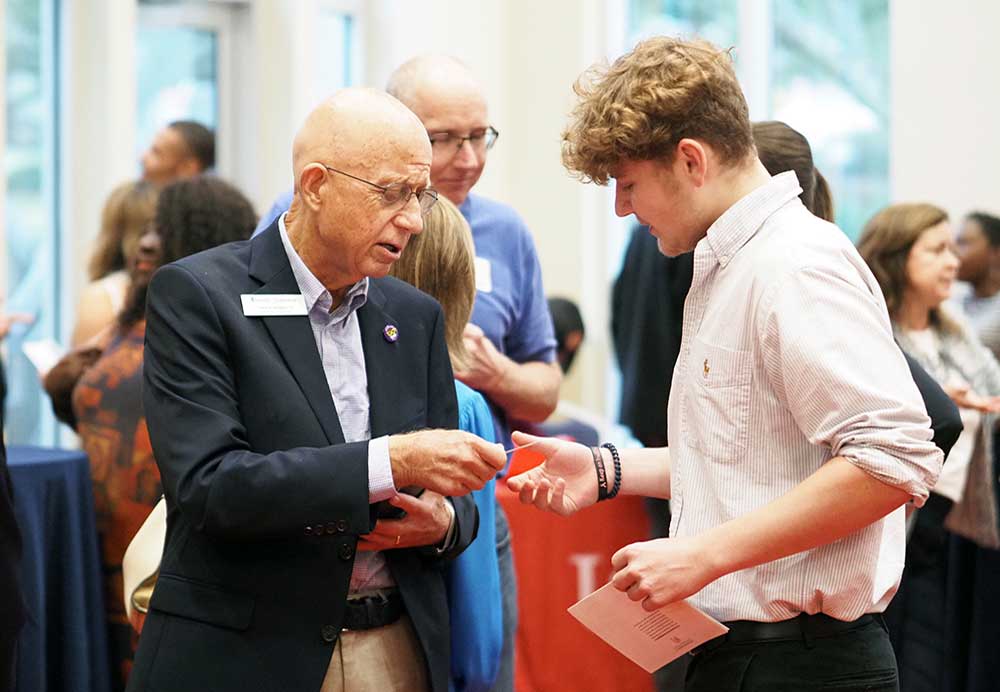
<point>468,138</point>
<point>434,194</point>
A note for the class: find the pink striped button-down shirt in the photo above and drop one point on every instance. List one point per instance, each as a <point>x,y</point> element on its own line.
<point>788,360</point>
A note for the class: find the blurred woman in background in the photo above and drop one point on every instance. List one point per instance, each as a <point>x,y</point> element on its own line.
<point>440,262</point>
<point>979,271</point>
<point>782,148</point>
<point>127,211</point>
<point>191,216</point>
<point>910,250</point>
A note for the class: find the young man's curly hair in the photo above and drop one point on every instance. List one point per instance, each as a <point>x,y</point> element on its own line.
<point>641,106</point>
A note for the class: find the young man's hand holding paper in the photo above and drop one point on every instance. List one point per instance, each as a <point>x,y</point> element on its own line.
<point>650,639</point>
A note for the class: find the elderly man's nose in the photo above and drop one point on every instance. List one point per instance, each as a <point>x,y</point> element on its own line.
<point>411,218</point>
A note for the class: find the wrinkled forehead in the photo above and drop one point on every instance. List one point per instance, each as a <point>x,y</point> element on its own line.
<point>389,151</point>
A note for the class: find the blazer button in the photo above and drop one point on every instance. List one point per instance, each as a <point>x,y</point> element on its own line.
<point>329,633</point>
<point>331,528</point>
<point>346,552</point>
<point>309,530</point>
<point>341,525</point>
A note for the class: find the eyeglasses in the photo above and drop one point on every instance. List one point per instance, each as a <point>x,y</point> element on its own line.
<point>451,143</point>
<point>397,192</point>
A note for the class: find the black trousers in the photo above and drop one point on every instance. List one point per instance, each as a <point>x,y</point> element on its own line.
<point>856,660</point>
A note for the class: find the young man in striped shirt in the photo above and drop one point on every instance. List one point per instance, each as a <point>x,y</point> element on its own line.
<point>796,434</point>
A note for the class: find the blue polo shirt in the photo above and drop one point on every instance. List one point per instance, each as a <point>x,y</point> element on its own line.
<point>510,306</point>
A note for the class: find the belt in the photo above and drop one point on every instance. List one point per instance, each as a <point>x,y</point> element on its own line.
<point>802,627</point>
<point>377,610</point>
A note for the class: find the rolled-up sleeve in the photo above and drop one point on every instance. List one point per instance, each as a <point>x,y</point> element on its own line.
<point>830,354</point>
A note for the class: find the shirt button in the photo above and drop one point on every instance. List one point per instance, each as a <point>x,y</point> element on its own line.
<point>329,633</point>
<point>346,552</point>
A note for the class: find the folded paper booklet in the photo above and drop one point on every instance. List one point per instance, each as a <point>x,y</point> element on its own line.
<point>650,639</point>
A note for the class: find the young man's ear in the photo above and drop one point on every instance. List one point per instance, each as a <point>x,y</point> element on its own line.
<point>692,159</point>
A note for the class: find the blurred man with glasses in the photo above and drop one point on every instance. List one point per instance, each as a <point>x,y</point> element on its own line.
<point>281,379</point>
<point>510,337</point>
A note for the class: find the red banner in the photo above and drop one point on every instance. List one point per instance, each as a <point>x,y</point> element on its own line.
<point>559,560</point>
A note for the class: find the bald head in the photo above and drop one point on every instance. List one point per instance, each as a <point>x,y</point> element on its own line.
<point>430,76</point>
<point>451,104</point>
<point>362,162</point>
<point>359,129</point>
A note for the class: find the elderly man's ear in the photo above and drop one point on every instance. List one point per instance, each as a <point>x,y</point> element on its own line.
<point>311,183</point>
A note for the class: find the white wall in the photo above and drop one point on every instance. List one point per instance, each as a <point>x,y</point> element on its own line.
<point>475,32</point>
<point>527,55</point>
<point>946,104</point>
<point>97,124</point>
<point>3,153</point>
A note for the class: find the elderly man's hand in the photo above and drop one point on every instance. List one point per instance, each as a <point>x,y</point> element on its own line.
<point>426,523</point>
<point>662,571</point>
<point>564,483</point>
<point>486,366</point>
<point>449,462</point>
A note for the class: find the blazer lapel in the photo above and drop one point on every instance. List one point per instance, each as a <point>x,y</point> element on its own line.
<point>293,335</point>
<point>381,364</point>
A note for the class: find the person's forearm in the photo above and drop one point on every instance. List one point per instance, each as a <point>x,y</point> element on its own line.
<point>645,471</point>
<point>527,391</point>
<point>835,501</point>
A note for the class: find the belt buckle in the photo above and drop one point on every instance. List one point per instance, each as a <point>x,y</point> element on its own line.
<point>370,603</point>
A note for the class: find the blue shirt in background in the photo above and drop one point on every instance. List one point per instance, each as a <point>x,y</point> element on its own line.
<point>510,306</point>
<point>473,578</point>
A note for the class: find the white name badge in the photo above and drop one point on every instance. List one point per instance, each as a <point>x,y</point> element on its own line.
<point>484,275</point>
<point>273,304</point>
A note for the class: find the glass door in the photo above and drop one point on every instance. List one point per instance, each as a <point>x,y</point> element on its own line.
<point>31,230</point>
<point>183,57</point>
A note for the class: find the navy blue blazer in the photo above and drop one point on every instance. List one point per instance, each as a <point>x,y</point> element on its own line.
<point>266,500</point>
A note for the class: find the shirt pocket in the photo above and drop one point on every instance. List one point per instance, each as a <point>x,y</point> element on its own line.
<point>717,401</point>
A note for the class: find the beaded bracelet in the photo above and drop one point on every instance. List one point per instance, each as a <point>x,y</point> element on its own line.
<point>602,474</point>
<point>617,485</point>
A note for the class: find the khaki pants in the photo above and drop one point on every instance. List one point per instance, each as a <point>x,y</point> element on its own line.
<point>385,659</point>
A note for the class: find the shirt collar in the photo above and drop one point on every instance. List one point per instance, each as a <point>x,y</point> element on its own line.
<point>313,291</point>
<point>737,225</point>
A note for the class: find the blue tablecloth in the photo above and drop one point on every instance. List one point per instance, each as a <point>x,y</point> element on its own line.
<point>63,646</point>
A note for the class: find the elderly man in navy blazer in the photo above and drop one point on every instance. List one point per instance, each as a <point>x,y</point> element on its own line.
<point>291,389</point>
